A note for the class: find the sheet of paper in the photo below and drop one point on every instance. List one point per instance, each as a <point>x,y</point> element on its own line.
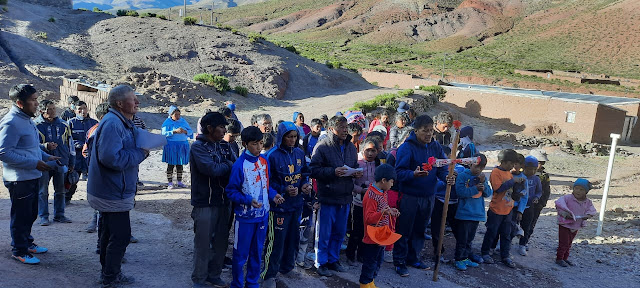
<point>350,171</point>
<point>147,140</point>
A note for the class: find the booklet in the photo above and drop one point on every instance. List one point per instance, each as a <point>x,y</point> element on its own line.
<point>147,140</point>
<point>350,171</point>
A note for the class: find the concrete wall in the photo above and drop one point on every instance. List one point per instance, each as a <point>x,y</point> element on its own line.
<point>633,110</point>
<point>390,80</point>
<point>54,3</point>
<point>534,110</point>
<point>608,120</point>
<point>93,97</point>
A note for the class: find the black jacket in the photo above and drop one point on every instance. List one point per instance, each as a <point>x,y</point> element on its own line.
<point>327,157</point>
<point>210,171</point>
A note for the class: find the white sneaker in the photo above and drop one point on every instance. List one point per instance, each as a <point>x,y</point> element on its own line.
<point>522,250</point>
<point>388,256</point>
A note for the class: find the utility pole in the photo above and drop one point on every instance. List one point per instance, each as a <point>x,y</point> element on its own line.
<point>212,3</point>
<point>444,59</point>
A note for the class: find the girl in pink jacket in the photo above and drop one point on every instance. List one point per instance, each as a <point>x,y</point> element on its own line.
<point>573,211</point>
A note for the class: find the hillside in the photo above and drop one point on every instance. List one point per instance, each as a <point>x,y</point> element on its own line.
<point>155,4</point>
<point>159,57</point>
<point>484,38</point>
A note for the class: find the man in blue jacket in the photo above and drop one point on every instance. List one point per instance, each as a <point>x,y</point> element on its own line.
<point>79,126</point>
<point>289,177</point>
<point>418,189</point>
<point>55,137</point>
<point>210,160</point>
<point>22,168</point>
<point>331,154</point>
<point>113,173</point>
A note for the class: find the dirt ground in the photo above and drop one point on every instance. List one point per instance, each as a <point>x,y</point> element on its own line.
<point>161,221</point>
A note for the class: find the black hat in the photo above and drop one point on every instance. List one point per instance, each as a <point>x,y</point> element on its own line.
<point>385,171</point>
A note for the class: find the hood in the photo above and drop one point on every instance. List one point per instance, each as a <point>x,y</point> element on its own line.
<point>172,109</point>
<point>466,131</point>
<point>284,128</point>
<point>295,116</point>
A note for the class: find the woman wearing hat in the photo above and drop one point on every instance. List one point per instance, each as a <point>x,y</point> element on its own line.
<point>176,152</point>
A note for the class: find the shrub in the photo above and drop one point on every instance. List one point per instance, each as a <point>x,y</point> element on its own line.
<point>5,9</point>
<point>335,64</point>
<point>204,78</point>
<point>241,90</point>
<point>578,148</point>
<point>435,89</point>
<point>152,15</point>
<point>291,49</point>
<point>255,37</point>
<point>121,13</point>
<point>375,83</point>
<point>132,13</point>
<point>234,31</point>
<point>96,9</point>
<point>3,2</point>
<point>42,35</point>
<point>387,100</point>
<point>83,9</point>
<point>52,19</point>
<point>127,13</point>
<point>221,83</point>
<point>189,20</point>
<point>161,17</point>
<point>405,93</point>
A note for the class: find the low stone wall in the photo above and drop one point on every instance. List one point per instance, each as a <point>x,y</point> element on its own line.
<point>92,96</point>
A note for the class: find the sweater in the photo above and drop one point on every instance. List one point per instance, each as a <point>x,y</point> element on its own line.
<point>470,200</point>
<point>250,180</point>
<point>360,185</point>
<point>373,203</point>
<point>328,155</point>
<point>577,210</point>
<point>502,185</point>
<point>412,154</point>
<point>169,125</point>
<point>20,147</point>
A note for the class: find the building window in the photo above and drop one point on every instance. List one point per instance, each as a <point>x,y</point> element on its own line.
<point>571,116</point>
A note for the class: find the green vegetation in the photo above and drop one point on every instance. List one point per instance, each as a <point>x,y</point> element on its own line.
<point>405,93</point>
<point>132,13</point>
<point>387,100</point>
<point>578,148</point>
<point>127,13</point>
<point>435,89</point>
<point>190,20</point>
<point>52,20</point>
<point>5,9</point>
<point>221,83</point>
<point>151,15</point>
<point>334,64</point>
<point>42,35</point>
<point>241,90</point>
<point>255,37</point>
<point>161,17</point>
<point>83,9</point>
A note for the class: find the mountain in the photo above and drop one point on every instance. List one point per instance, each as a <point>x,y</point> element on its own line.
<point>155,4</point>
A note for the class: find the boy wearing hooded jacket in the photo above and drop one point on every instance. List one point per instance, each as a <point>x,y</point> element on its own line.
<point>289,176</point>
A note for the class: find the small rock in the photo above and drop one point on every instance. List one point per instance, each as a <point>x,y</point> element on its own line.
<point>598,261</point>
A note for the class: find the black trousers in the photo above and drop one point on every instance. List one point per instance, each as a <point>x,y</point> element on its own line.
<point>357,233</point>
<point>465,231</point>
<point>372,255</point>
<point>527,224</point>
<point>498,225</point>
<point>415,213</point>
<point>282,242</point>
<point>436,219</point>
<point>115,233</point>
<point>24,211</point>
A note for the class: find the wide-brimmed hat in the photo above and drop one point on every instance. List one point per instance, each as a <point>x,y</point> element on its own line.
<point>403,107</point>
<point>382,235</point>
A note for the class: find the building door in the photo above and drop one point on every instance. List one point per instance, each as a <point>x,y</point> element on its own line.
<point>629,123</point>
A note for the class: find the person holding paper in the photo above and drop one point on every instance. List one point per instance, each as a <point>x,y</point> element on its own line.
<point>176,152</point>
<point>334,193</point>
<point>113,172</point>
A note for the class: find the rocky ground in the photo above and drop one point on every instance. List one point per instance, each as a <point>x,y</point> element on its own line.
<point>161,220</point>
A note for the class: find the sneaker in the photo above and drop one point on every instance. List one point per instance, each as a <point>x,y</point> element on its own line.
<point>201,285</point>
<point>343,247</point>
<point>336,266</point>
<point>448,229</point>
<point>67,202</point>
<point>84,177</point>
<point>402,270</point>
<point>269,283</point>
<point>170,185</point>
<point>35,249</point>
<point>527,246</point>
<point>323,270</point>
<point>228,261</point>
<point>562,263</point>
<point>62,219</point>
<point>476,258</point>
<point>470,263</point>
<point>427,236</point>
<point>420,265</point>
<point>120,280</point>
<point>569,262</point>
<point>497,249</point>
<point>181,185</point>
<point>508,262</point>
<point>44,222</point>
<point>26,259</point>
<point>311,256</point>
<point>487,259</point>
<point>522,250</point>
<point>91,227</point>
<point>460,265</point>
<point>388,256</point>
<point>133,239</point>
<point>217,282</point>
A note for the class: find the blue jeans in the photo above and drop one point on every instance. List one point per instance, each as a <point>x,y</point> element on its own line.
<point>58,196</point>
<point>372,255</point>
<point>331,228</point>
<point>24,207</point>
<point>497,225</point>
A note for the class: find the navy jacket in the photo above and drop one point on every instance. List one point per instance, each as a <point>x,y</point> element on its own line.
<point>79,130</point>
<point>58,132</point>
<point>412,154</point>
<point>328,156</point>
<point>287,167</point>
<point>210,164</point>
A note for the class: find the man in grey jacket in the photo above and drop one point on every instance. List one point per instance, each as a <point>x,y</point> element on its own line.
<point>23,165</point>
<point>113,173</point>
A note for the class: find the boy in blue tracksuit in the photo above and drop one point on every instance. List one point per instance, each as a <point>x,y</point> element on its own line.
<point>55,137</point>
<point>418,192</point>
<point>472,187</point>
<point>535,192</point>
<point>250,193</point>
<point>289,176</point>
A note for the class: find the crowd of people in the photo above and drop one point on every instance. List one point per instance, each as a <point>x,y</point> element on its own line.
<point>361,182</point>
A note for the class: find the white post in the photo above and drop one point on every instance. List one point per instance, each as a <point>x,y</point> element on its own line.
<point>607,181</point>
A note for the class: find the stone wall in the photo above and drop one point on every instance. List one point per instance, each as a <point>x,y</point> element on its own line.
<point>53,3</point>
